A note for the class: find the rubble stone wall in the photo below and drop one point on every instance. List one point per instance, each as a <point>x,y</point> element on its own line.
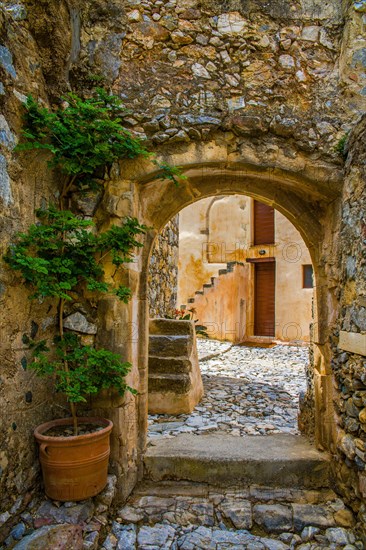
<point>349,367</point>
<point>163,271</point>
<point>185,69</point>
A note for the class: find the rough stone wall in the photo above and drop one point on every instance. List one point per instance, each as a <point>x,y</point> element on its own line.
<point>306,417</point>
<point>248,67</point>
<point>25,184</point>
<point>163,271</point>
<point>350,368</point>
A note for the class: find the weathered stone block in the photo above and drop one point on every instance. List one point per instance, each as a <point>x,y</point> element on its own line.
<point>238,512</point>
<point>310,33</point>
<point>177,383</point>
<point>317,516</point>
<point>230,23</point>
<point>170,327</point>
<point>5,188</point>
<point>48,513</point>
<point>62,537</point>
<point>79,323</point>
<point>157,536</point>
<point>353,342</point>
<point>6,61</point>
<point>274,518</point>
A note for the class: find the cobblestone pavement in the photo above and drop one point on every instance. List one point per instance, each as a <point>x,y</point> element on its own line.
<point>189,516</point>
<point>181,515</point>
<point>248,391</point>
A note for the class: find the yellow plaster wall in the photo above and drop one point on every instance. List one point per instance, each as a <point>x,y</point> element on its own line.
<point>218,230</point>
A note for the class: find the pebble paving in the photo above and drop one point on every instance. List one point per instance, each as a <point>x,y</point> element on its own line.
<point>248,391</point>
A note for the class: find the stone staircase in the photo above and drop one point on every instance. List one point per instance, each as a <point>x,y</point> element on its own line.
<point>175,382</point>
<point>221,305</point>
<point>214,281</point>
<point>224,492</point>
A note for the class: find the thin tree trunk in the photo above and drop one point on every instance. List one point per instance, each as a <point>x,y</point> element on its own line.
<point>66,366</point>
<point>65,189</point>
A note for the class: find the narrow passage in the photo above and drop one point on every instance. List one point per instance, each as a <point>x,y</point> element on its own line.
<point>248,391</point>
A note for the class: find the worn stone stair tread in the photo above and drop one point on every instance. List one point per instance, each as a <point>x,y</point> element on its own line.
<point>171,365</point>
<point>160,327</point>
<point>280,460</point>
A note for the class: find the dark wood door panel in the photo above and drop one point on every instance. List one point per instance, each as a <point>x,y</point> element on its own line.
<point>264,299</point>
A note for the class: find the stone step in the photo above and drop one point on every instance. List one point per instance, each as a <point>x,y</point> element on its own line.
<point>167,382</point>
<point>168,365</point>
<point>170,327</point>
<point>190,515</point>
<point>170,345</point>
<point>230,265</point>
<point>275,460</point>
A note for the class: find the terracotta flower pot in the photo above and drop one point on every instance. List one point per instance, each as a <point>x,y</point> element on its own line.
<point>75,467</point>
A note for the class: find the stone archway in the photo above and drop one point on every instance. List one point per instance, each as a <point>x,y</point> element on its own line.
<point>302,187</point>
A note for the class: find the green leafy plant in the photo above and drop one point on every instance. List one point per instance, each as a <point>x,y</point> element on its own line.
<point>59,257</point>
<point>83,135</point>
<point>89,370</point>
<point>92,77</point>
<point>171,173</point>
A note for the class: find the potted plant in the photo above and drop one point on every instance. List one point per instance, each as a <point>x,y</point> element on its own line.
<point>61,258</point>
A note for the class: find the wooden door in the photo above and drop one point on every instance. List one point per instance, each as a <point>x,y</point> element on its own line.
<point>264,298</point>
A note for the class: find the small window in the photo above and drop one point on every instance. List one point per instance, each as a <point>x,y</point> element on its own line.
<point>264,224</point>
<point>307,276</point>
